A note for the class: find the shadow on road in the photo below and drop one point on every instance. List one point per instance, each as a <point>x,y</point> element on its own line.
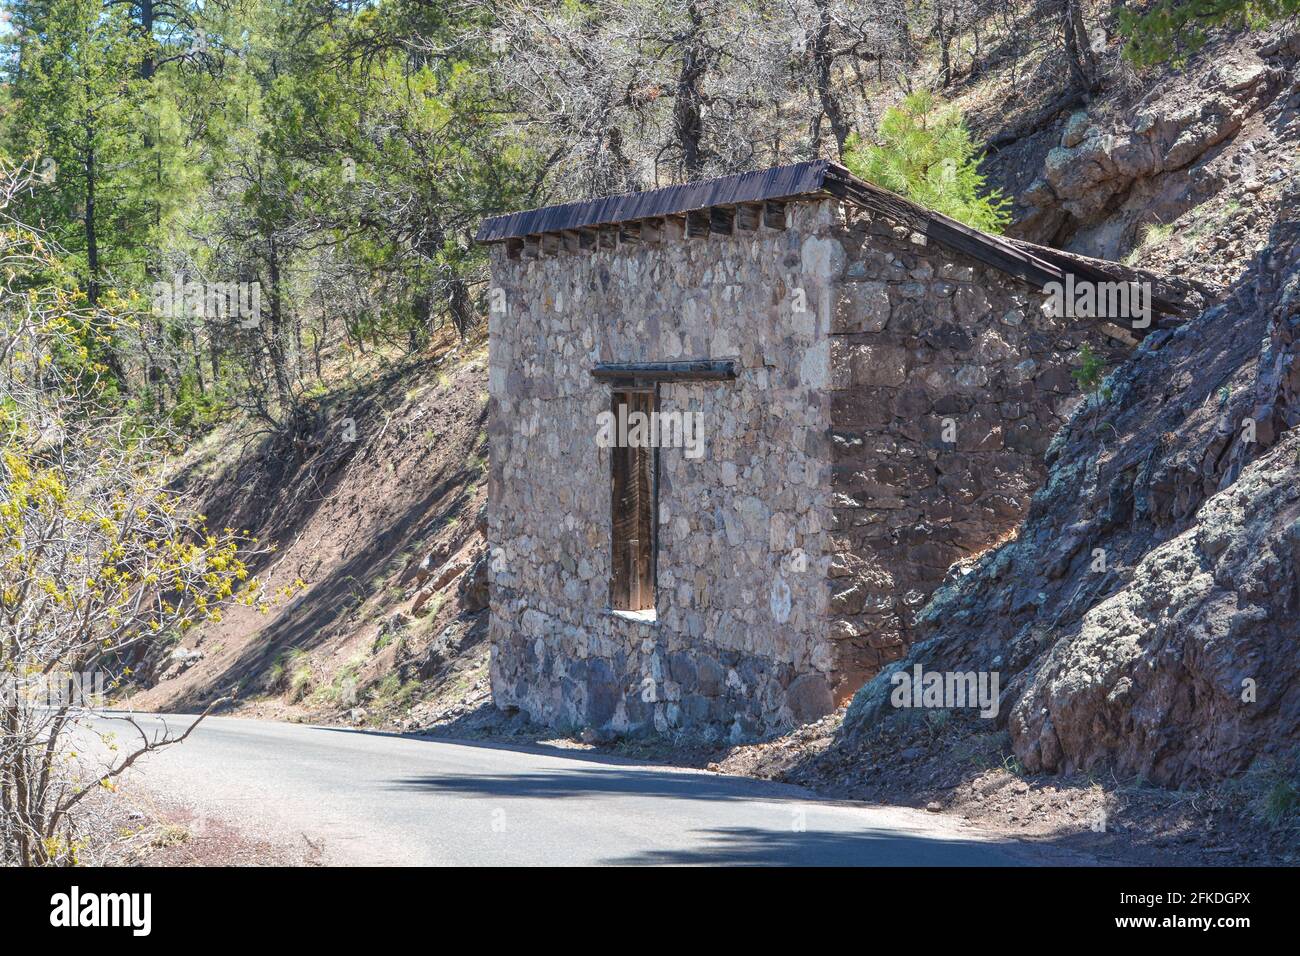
<point>628,780</point>
<point>750,846</point>
<point>528,745</point>
<point>610,779</point>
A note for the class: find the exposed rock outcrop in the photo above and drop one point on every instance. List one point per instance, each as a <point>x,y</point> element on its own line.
<point>1148,614</point>
<point>1095,163</point>
<point>1097,178</point>
<point>472,592</point>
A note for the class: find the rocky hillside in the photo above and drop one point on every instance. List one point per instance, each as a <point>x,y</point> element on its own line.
<point>1179,169</point>
<point>1145,616</point>
<point>1143,619</point>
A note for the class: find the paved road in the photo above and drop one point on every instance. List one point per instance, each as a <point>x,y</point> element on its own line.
<point>375,798</point>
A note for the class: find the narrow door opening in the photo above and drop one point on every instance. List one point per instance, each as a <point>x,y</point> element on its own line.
<point>632,587</point>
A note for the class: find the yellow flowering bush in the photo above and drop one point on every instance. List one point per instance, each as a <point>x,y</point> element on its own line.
<point>101,565</point>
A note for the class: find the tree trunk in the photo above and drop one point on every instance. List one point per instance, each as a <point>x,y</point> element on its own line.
<point>687,113</point>
<point>1083,64</point>
<point>93,265</point>
<point>196,356</point>
<point>279,363</point>
<point>149,65</point>
<point>943,34</point>
<point>458,301</point>
<point>823,72</point>
<point>88,219</point>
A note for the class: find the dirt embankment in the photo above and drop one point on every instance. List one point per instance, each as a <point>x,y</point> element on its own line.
<point>372,499</point>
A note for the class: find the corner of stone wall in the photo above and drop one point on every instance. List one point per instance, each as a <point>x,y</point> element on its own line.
<point>948,381</point>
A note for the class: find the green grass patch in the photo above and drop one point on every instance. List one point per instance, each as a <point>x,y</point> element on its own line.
<point>1155,234</point>
<point>300,675</point>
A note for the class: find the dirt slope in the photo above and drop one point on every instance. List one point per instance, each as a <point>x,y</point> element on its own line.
<point>372,499</point>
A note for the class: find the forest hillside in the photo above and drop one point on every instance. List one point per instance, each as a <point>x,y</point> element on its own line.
<point>244,339</point>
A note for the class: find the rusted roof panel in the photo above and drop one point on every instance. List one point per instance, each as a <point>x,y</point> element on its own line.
<point>780,182</point>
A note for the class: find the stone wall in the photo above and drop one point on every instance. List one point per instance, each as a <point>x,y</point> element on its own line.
<point>740,643</point>
<point>827,504</point>
<point>922,338</point>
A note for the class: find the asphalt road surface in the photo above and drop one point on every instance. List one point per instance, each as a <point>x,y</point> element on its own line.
<point>375,798</point>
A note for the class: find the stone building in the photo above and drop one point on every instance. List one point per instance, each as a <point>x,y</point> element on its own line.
<point>852,394</point>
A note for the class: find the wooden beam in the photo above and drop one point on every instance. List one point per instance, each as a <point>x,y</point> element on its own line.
<point>697,224</point>
<point>748,217</point>
<point>1170,295</point>
<point>963,238</point>
<point>633,493</point>
<point>705,370</point>
<point>721,220</point>
<point>978,245</point>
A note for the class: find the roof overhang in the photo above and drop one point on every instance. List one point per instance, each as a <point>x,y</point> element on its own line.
<point>749,201</point>
<point>781,182</point>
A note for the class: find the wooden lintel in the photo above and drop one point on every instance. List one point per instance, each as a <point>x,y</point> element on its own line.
<point>642,372</point>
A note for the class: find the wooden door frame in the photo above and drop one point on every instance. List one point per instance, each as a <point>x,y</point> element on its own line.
<point>651,389</point>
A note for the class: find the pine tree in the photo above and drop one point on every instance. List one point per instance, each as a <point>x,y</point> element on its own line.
<point>926,154</point>
<point>1172,29</point>
<point>78,101</point>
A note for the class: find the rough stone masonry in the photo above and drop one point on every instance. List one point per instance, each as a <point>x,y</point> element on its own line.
<point>891,404</point>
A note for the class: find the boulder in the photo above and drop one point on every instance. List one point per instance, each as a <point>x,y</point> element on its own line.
<point>810,697</point>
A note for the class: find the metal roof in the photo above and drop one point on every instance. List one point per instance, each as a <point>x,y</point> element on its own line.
<point>1037,265</point>
<point>780,182</point>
